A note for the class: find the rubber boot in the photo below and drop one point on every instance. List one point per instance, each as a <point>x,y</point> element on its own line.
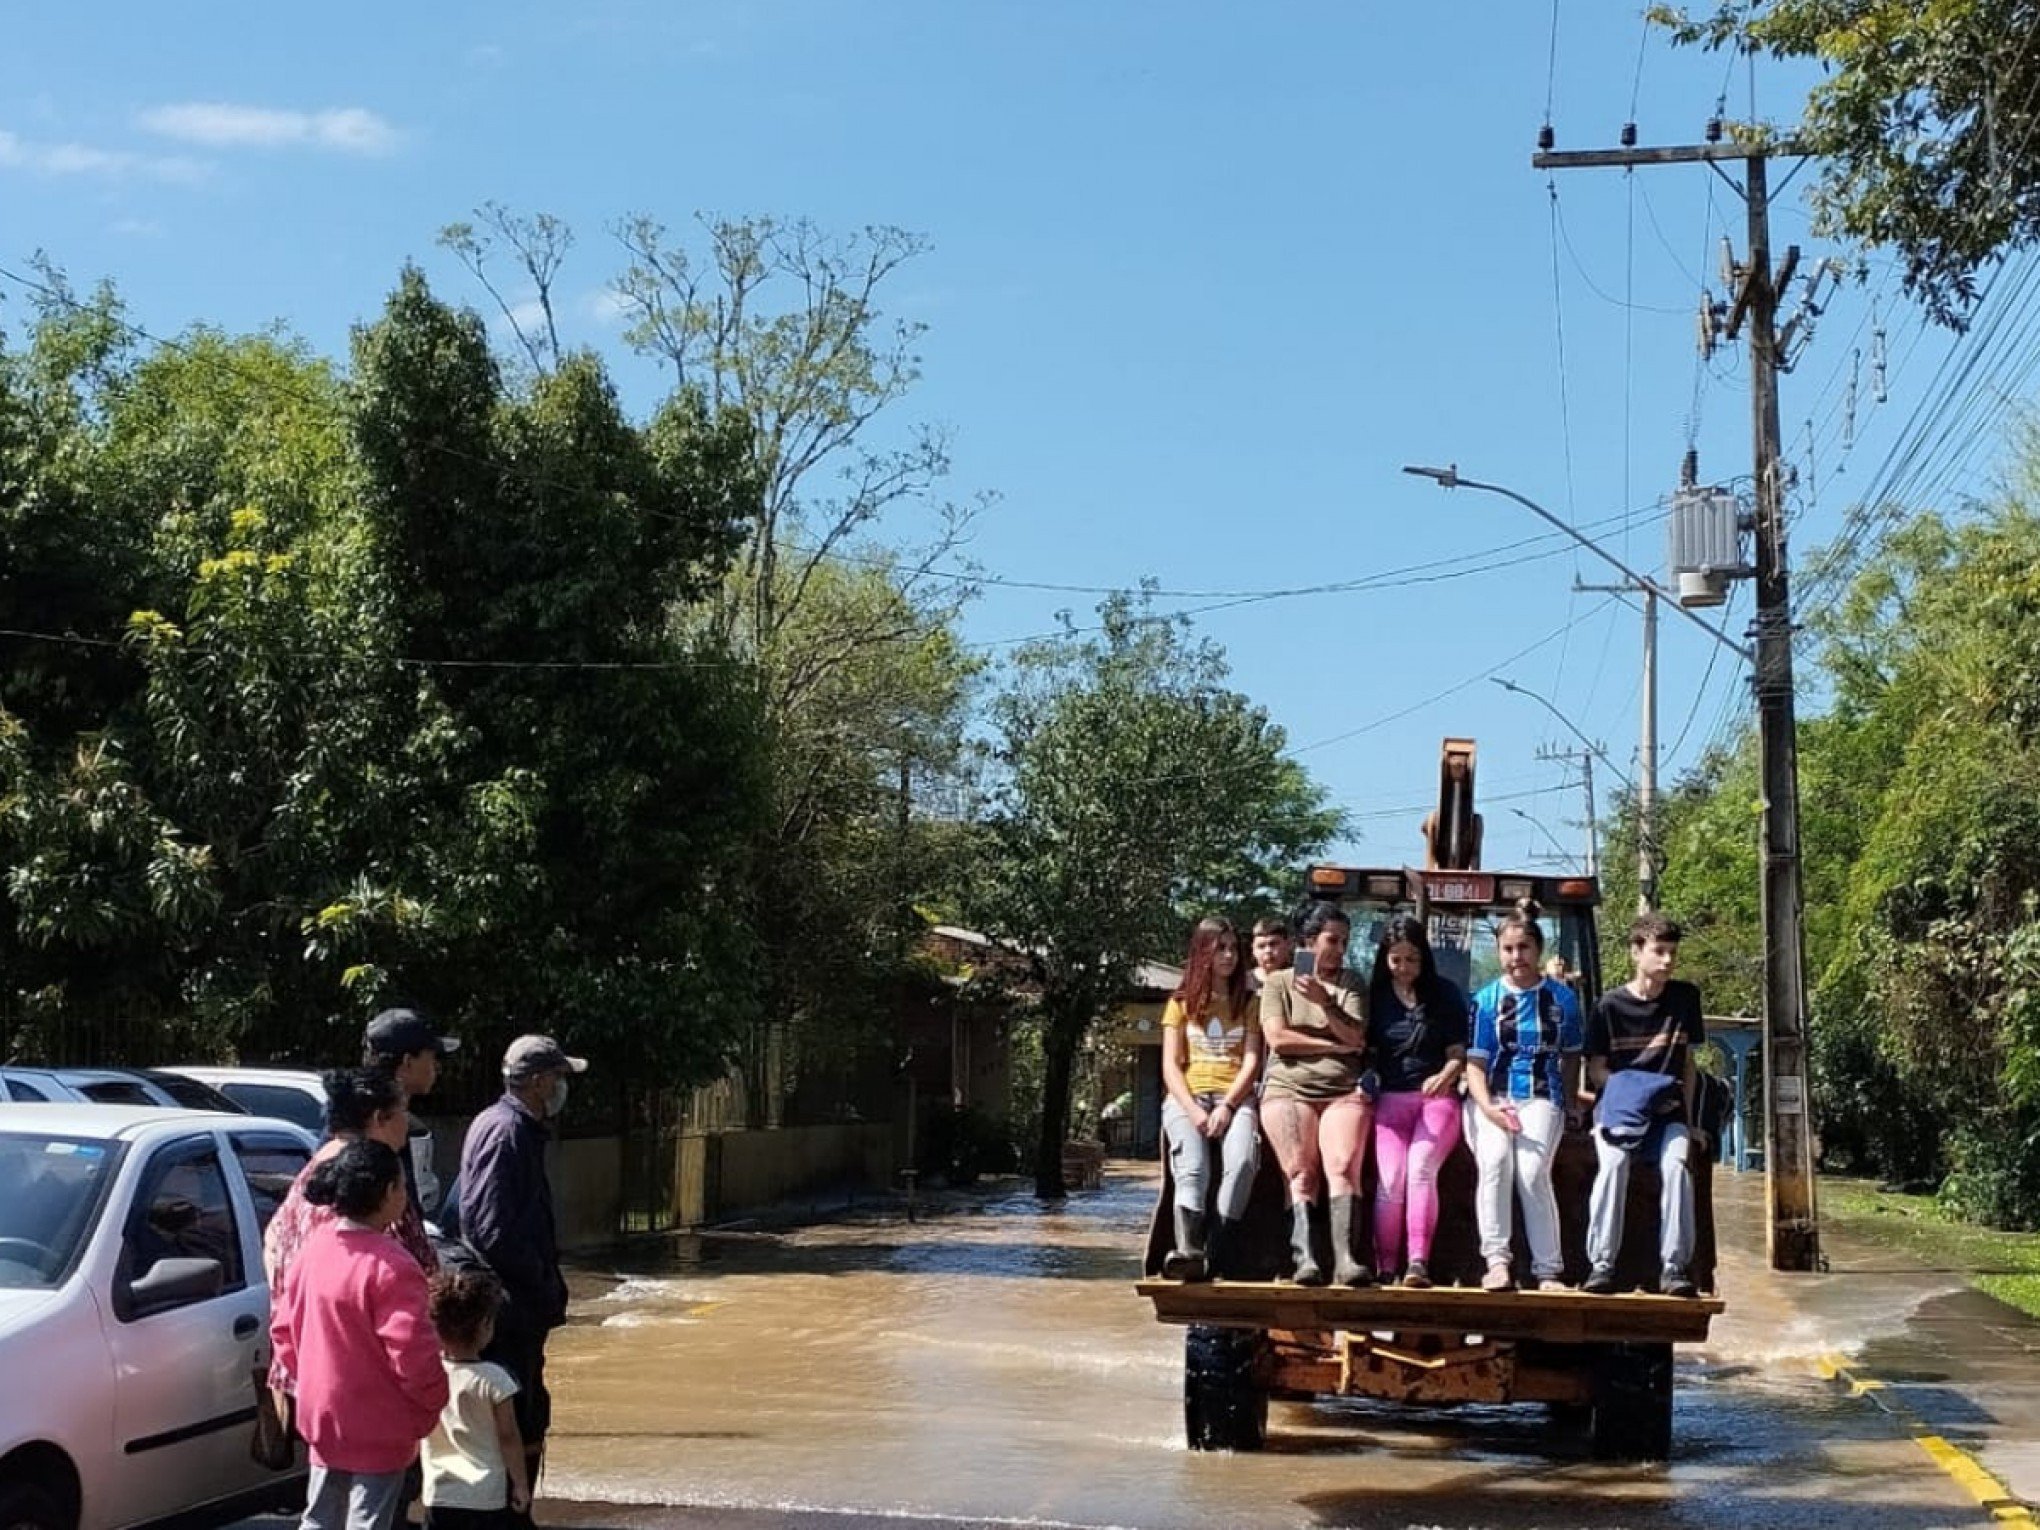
<point>1307,1271</point>
<point>1346,1269</point>
<point>1222,1248</point>
<point>1186,1260</point>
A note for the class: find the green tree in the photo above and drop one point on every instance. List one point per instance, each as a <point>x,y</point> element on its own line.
<point>590,766</point>
<point>1923,119</point>
<point>391,682</point>
<point>781,324</point>
<point>1138,793</point>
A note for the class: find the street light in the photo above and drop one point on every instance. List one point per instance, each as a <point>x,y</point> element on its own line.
<point>1646,795</point>
<point>1538,825</point>
<point>1599,751</point>
<point>1448,478</point>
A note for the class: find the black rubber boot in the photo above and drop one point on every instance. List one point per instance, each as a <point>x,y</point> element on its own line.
<point>1186,1260</point>
<point>1302,1254</point>
<point>1222,1248</point>
<point>1346,1269</point>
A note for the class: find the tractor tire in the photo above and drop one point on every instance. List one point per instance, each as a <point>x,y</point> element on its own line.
<point>1633,1402</point>
<point>1224,1406</point>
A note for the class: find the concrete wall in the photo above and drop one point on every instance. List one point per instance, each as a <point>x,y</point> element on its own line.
<point>714,1175</point>
<point>724,1173</point>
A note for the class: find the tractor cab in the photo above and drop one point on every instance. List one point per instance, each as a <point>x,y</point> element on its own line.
<point>1461,909</point>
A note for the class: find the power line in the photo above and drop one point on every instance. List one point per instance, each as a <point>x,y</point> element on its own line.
<point>1379,722</point>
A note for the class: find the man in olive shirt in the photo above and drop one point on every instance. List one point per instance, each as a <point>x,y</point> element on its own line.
<point>1646,1029</point>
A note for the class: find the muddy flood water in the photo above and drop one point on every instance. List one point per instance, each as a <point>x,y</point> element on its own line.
<point>991,1363</point>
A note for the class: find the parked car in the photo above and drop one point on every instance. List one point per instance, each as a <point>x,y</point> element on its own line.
<point>115,1086</point>
<point>296,1094</point>
<point>293,1094</point>
<point>131,1285</point>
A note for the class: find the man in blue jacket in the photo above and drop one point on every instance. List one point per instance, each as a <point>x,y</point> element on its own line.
<point>507,1218</point>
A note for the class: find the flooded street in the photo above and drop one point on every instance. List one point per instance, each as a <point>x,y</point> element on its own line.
<point>993,1364</point>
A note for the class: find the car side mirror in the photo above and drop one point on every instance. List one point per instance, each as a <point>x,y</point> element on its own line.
<point>173,1283</point>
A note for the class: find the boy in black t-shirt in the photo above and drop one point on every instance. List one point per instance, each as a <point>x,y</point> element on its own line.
<point>1647,1028</point>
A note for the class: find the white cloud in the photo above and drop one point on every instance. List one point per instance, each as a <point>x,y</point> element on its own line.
<point>528,316</point>
<point>138,228</point>
<point>223,125</point>
<point>607,306</point>
<point>39,158</point>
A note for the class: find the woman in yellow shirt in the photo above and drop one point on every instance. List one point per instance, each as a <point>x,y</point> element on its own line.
<point>1211,1064</point>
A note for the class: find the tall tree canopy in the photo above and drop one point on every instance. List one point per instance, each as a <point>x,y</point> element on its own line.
<point>784,325</point>
<point>1920,795</point>
<point>346,686</point>
<point>1926,119</point>
<point>1139,793</point>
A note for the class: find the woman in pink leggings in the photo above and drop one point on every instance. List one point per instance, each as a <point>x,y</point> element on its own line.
<point>1417,1021</point>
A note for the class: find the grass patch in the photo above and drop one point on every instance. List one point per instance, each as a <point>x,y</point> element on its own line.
<point>2004,1264</point>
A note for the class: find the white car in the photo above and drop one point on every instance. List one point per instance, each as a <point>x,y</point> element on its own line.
<point>296,1094</point>
<point>133,1312</point>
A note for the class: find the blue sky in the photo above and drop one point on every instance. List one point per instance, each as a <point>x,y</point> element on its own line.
<point>1202,279</point>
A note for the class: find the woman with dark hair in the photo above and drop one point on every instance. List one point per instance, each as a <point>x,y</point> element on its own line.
<point>1211,1063</point>
<point>1523,1082</point>
<point>361,1104</point>
<point>1418,1021</point>
<point>1314,1020</point>
<point>353,1326</point>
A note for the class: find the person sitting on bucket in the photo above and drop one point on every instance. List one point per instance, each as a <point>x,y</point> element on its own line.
<point>1211,1065</point>
<point>1640,1043</point>
<point>1522,1081</point>
<point>1316,1102</point>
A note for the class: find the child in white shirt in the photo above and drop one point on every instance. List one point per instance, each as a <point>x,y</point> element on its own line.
<point>474,1459</point>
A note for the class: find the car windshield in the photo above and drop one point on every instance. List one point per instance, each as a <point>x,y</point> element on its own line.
<point>192,1094</point>
<point>1463,942</point>
<point>50,1194</point>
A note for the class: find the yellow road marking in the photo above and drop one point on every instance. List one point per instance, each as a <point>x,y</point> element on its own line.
<point>1990,1494</point>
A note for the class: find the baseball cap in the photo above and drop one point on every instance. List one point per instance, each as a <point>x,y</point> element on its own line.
<point>399,1032</point>
<point>539,1054</point>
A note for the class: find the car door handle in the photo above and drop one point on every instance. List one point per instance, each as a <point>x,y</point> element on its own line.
<point>246,1324</point>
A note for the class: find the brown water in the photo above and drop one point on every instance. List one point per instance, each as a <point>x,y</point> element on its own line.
<point>993,1364</point>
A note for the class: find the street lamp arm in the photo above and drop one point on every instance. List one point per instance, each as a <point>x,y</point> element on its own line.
<point>1448,478</point>
<point>1540,828</point>
<point>1598,751</point>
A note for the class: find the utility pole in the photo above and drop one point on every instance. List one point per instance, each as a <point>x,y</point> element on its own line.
<point>1585,755</point>
<point>1794,1229</point>
<point>1646,753</point>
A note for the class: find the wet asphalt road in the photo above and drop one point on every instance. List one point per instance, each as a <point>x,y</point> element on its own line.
<point>993,1366</point>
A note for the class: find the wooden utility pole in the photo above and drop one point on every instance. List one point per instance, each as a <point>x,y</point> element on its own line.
<point>1794,1229</point>
<point>1585,755</point>
<point>1646,752</point>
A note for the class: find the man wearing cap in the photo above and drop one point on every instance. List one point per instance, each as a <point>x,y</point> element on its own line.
<point>408,1047</point>
<point>507,1217</point>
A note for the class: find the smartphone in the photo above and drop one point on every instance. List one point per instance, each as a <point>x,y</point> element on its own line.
<point>1304,962</point>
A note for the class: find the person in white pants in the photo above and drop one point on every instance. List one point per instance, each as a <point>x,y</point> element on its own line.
<point>1522,1081</point>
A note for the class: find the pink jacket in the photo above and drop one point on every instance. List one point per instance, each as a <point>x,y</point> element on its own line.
<point>352,1326</point>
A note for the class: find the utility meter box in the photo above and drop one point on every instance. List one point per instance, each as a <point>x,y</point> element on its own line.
<point>1706,545</point>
